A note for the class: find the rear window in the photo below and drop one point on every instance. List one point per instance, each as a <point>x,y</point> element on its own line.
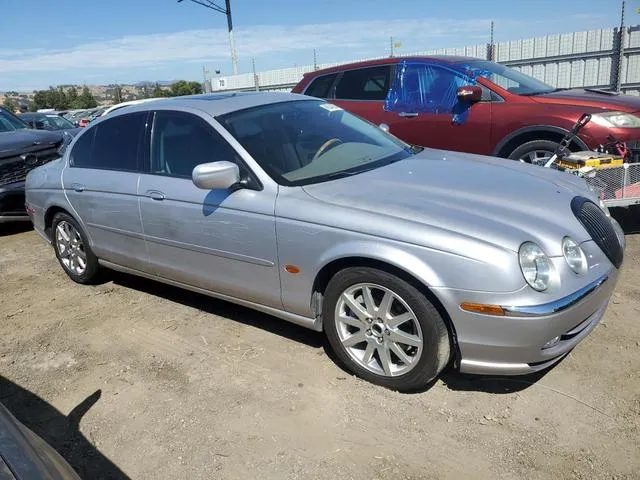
<point>112,144</point>
<point>320,86</point>
<point>364,84</point>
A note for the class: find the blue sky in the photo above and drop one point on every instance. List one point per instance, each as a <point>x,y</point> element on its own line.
<point>47,42</point>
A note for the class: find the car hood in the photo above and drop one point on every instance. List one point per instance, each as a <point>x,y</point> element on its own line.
<point>26,140</point>
<point>591,98</point>
<point>502,202</point>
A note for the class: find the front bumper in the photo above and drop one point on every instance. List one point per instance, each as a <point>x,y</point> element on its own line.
<point>518,343</point>
<point>12,202</point>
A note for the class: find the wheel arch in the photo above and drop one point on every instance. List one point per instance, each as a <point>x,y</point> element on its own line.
<point>334,266</point>
<point>534,132</point>
<point>50,213</point>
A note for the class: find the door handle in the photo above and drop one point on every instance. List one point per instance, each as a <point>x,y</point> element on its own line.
<point>77,187</point>
<point>155,195</point>
<point>408,114</point>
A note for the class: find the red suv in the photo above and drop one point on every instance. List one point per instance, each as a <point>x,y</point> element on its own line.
<point>472,105</point>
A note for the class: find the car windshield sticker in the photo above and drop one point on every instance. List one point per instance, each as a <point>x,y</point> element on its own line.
<point>330,107</point>
<point>421,87</point>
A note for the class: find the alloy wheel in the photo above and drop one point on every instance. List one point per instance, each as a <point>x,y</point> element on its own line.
<point>70,248</point>
<point>536,157</point>
<point>378,329</point>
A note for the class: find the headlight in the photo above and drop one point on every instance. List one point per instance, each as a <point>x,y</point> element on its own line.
<point>616,119</point>
<point>537,268</point>
<point>574,255</point>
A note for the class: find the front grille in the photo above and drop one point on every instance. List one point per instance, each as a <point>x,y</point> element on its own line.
<point>599,227</point>
<point>15,169</point>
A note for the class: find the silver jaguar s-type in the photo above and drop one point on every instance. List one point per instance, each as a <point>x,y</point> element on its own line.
<point>407,258</point>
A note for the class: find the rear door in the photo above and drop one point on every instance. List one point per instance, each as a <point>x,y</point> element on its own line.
<point>101,184</point>
<point>362,91</point>
<point>425,110</point>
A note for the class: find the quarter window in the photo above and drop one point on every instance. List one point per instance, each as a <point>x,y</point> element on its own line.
<point>364,84</point>
<point>113,144</point>
<point>319,87</point>
<point>182,140</point>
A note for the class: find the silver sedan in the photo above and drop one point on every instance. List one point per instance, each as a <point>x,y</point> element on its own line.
<point>408,259</point>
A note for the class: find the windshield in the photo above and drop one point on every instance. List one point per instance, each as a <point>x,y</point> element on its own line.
<point>303,142</point>
<point>509,79</point>
<point>57,122</point>
<point>9,122</point>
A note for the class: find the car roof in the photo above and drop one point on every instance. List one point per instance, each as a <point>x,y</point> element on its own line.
<point>219,103</point>
<point>392,61</point>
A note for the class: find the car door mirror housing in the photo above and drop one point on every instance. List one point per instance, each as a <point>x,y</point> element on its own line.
<point>469,93</point>
<point>216,175</point>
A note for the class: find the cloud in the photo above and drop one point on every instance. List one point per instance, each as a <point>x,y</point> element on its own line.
<point>136,51</point>
<point>130,57</point>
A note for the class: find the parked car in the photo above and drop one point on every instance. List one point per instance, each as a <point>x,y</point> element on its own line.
<point>25,456</point>
<point>407,258</point>
<point>47,121</point>
<point>21,149</point>
<point>85,117</point>
<point>471,105</point>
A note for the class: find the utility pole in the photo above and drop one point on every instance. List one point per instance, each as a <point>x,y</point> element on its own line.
<point>210,4</point>
<point>390,46</point>
<point>315,60</point>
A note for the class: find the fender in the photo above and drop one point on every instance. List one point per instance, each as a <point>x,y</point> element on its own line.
<point>536,128</point>
<point>384,253</point>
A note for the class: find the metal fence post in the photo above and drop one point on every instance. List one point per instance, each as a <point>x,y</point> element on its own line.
<point>618,53</point>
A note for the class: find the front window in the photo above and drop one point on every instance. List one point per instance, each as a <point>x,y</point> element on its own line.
<point>9,122</point>
<point>303,142</point>
<point>509,79</point>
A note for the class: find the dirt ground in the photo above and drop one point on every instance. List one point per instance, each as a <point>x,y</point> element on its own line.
<point>132,379</point>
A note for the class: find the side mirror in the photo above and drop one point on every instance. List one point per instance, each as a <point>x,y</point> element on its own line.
<point>469,93</point>
<point>215,175</point>
<point>39,124</point>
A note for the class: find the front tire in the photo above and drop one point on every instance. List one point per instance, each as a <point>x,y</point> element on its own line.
<point>534,152</point>
<point>72,249</point>
<point>384,330</point>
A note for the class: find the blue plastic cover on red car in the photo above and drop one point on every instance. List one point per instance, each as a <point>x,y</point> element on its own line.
<point>424,87</point>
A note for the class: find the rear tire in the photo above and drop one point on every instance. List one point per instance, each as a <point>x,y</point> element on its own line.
<point>529,151</point>
<point>72,249</point>
<point>369,314</point>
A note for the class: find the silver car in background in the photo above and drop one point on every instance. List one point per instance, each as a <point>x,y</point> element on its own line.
<point>408,259</point>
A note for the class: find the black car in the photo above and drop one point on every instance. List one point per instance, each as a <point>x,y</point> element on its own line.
<point>24,455</point>
<point>21,150</point>
<point>47,121</point>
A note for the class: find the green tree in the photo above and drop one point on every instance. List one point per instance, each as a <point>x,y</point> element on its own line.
<point>182,87</point>
<point>42,99</point>
<point>60,101</point>
<point>86,99</point>
<point>10,104</point>
<point>72,98</point>
<point>158,91</point>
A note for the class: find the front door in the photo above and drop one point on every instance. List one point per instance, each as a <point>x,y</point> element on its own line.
<point>422,109</point>
<point>101,185</point>
<point>219,240</point>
